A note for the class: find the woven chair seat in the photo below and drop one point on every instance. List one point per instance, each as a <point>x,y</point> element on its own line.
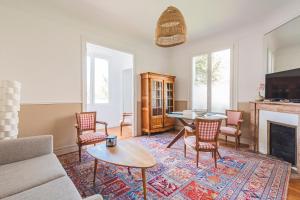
<point>92,137</point>
<point>191,141</point>
<point>229,130</point>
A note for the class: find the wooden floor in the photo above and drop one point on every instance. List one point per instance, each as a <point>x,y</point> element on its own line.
<point>126,133</point>
<point>294,185</point>
<point>294,190</point>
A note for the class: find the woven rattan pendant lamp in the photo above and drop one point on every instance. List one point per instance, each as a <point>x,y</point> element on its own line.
<point>171,28</point>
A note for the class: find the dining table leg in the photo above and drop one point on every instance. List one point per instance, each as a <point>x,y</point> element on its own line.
<point>177,137</point>
<point>181,132</point>
<point>144,183</point>
<point>95,171</point>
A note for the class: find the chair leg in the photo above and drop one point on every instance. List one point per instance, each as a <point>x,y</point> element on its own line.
<point>226,138</point>
<point>212,154</point>
<point>236,142</point>
<point>185,150</point>
<point>215,157</point>
<point>239,140</point>
<point>219,154</point>
<point>79,150</point>
<point>121,129</point>
<point>197,158</point>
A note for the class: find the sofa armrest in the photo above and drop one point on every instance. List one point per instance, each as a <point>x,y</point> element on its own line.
<point>94,197</point>
<point>25,148</point>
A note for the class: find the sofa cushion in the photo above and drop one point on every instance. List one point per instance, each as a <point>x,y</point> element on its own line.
<point>25,148</point>
<point>60,189</point>
<point>20,176</point>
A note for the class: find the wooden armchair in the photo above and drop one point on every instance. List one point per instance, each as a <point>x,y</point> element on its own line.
<point>124,122</point>
<point>204,138</point>
<point>232,126</point>
<point>86,130</point>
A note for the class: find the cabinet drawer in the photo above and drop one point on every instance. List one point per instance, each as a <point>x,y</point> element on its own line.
<point>169,121</point>
<point>157,122</point>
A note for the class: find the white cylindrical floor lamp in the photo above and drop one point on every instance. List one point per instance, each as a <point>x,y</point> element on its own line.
<point>9,108</point>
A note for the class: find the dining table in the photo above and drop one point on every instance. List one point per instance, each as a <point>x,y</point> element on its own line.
<point>188,119</point>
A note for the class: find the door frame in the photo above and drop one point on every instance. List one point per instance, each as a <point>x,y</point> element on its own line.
<point>84,41</point>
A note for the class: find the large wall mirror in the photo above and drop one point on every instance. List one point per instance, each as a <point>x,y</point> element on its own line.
<point>283,47</point>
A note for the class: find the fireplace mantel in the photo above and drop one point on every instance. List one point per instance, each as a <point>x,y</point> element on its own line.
<point>276,107</point>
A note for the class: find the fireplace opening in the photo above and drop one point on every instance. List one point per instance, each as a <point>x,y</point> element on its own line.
<point>283,142</point>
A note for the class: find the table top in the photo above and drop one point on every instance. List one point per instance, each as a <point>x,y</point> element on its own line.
<point>195,115</point>
<point>126,153</point>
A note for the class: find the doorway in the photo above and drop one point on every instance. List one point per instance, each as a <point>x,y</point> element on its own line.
<point>108,87</point>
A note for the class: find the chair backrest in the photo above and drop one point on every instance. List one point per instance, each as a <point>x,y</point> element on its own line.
<point>126,116</point>
<point>207,130</point>
<point>233,117</point>
<point>86,121</point>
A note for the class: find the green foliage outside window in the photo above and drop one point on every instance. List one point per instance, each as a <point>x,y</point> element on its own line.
<point>201,70</point>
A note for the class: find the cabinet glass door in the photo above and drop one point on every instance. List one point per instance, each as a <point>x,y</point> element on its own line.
<point>157,98</point>
<point>169,99</point>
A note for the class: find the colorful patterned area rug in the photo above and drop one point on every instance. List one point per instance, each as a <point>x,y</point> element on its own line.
<point>240,175</point>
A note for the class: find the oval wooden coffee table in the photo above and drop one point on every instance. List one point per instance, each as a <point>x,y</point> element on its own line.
<point>127,154</point>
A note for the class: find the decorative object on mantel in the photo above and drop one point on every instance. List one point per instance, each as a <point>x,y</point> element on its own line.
<point>261,88</point>
<point>9,108</point>
<point>170,28</point>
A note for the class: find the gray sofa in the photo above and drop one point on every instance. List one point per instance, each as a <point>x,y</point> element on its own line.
<point>29,170</point>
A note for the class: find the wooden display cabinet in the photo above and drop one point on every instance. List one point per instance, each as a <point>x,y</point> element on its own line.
<point>157,102</point>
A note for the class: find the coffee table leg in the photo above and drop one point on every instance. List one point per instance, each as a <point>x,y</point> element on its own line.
<point>144,183</point>
<point>95,171</point>
<point>129,172</point>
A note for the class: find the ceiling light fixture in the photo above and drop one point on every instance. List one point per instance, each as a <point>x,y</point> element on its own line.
<point>171,28</point>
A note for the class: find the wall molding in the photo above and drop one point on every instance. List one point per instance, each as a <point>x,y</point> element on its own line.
<point>66,149</point>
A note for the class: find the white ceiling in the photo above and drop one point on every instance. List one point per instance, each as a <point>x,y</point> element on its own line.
<point>138,17</point>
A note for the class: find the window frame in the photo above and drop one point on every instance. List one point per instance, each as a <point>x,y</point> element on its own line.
<point>233,78</point>
<point>92,79</point>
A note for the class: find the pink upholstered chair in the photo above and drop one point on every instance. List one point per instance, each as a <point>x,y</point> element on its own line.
<point>233,126</point>
<point>203,138</point>
<point>86,130</point>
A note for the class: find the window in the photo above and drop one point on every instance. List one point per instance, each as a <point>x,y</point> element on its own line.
<point>101,81</point>
<point>97,80</point>
<point>211,81</point>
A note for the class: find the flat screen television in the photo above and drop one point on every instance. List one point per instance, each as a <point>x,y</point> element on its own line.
<point>283,86</point>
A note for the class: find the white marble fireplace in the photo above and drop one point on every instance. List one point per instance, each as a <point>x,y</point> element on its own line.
<point>286,119</point>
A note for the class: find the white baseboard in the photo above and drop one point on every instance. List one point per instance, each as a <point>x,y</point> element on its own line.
<point>66,149</point>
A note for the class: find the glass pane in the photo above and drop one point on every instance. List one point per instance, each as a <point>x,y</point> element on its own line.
<point>88,80</point>
<point>169,97</point>
<point>156,98</point>
<point>101,81</point>
<point>220,81</point>
<point>200,69</point>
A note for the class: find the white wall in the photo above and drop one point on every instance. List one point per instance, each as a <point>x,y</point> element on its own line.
<point>287,58</point>
<point>127,90</point>
<point>248,54</point>
<point>111,112</point>
<point>41,48</point>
